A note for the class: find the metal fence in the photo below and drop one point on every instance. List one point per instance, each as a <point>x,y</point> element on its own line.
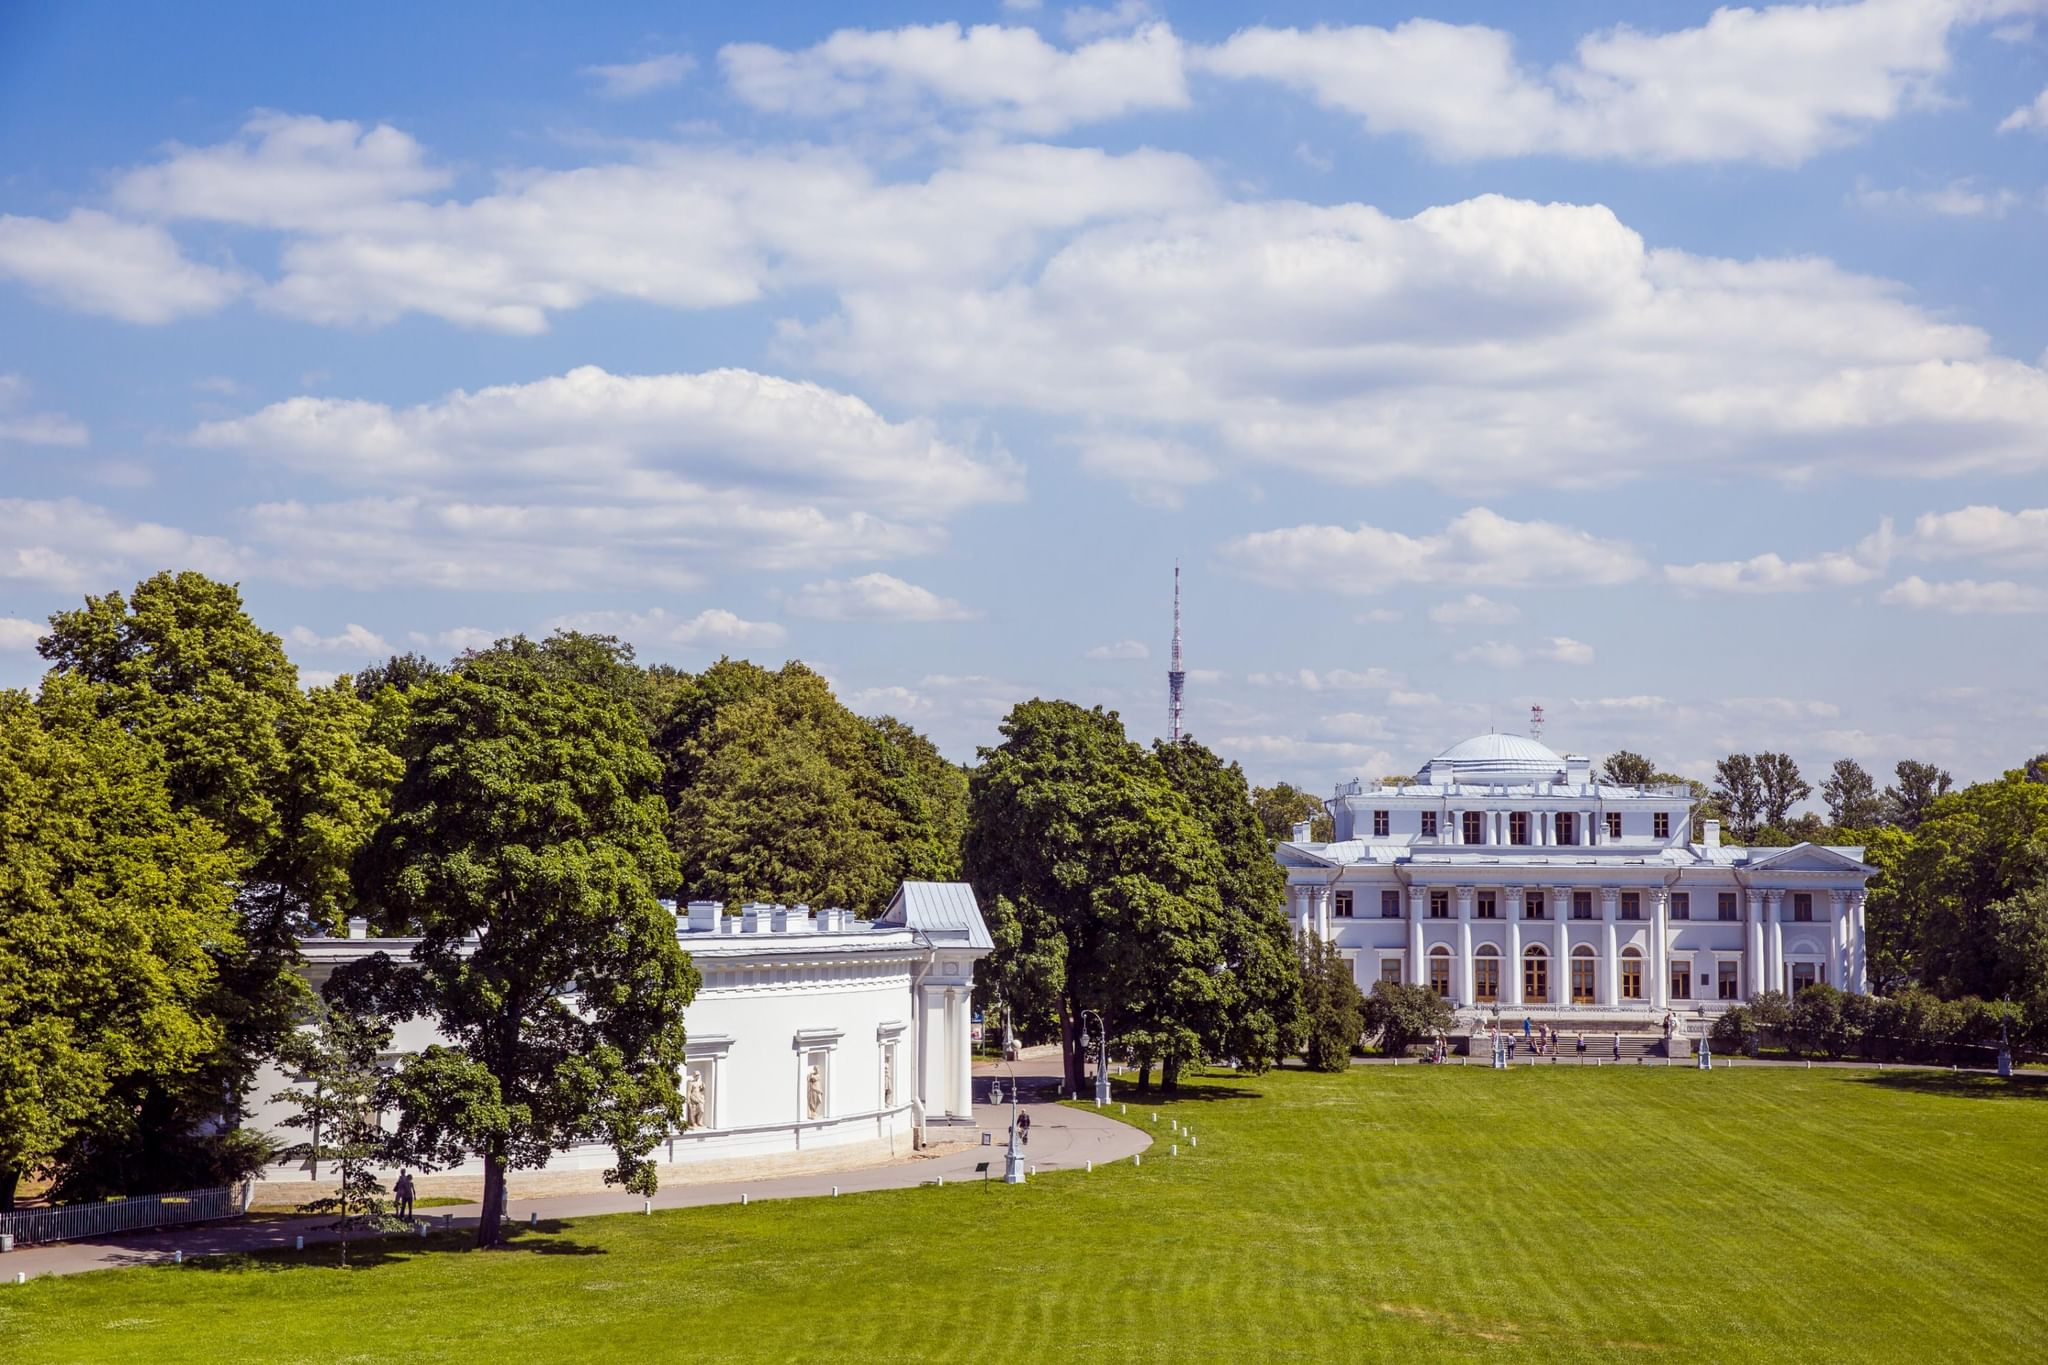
<point>72,1221</point>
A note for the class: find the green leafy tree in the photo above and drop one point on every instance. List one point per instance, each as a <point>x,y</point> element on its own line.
<point>1782,787</point>
<point>525,848</point>
<point>1262,986</point>
<point>1739,792</point>
<point>1735,1033</point>
<point>112,904</point>
<point>293,782</point>
<point>1625,769</point>
<point>1401,1015</point>
<point>1333,1012</point>
<point>1963,891</point>
<point>1112,878</point>
<point>1283,806</point>
<point>340,1093</point>
<point>1912,800</point>
<point>781,793</point>
<point>400,672</point>
<point>1851,794</point>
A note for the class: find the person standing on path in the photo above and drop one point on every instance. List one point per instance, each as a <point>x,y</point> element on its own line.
<point>401,1193</point>
<point>1617,1045</point>
<point>1582,1045</point>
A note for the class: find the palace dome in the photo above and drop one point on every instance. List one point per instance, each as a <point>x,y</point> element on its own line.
<point>1498,758</point>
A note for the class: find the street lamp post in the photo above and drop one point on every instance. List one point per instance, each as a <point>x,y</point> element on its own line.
<point>1101,1056</point>
<point>1013,1159</point>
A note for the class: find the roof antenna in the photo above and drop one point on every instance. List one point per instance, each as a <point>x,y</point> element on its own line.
<point>1536,721</point>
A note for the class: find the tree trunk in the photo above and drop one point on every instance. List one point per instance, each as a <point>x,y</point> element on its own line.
<point>490,1228</point>
<point>1144,1074</point>
<point>10,1182</point>
<point>1169,1074</point>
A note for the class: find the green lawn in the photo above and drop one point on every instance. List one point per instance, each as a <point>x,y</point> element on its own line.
<point>1554,1214</point>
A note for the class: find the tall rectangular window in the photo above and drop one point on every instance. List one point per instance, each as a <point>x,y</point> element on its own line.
<point>1475,827</point>
<point>1726,902</point>
<point>1631,905</point>
<point>1631,976</point>
<point>1536,979</point>
<point>1429,824</point>
<point>1486,907</point>
<point>1681,978</point>
<point>1440,974</point>
<point>1660,825</point>
<point>1390,970</point>
<point>1567,828</point>
<point>1532,905</point>
<point>1486,979</point>
<point>1379,824</point>
<point>1613,825</point>
<point>1439,905</point>
<point>1518,827</point>
<point>1681,905</point>
<point>1802,907</point>
<point>1582,905</point>
<point>1390,905</point>
<point>1727,980</point>
<point>1582,981</point>
<point>1343,906</point>
<point>1803,975</point>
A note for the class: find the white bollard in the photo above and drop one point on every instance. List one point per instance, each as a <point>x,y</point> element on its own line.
<point>835,1191</point>
<point>177,1258</point>
<point>1155,1118</point>
<point>647,1205</point>
<point>942,1182</point>
<point>1191,1140</point>
<point>1090,1170</point>
<point>1176,1149</point>
<point>298,1243</point>
<point>1138,1159</point>
<point>1123,1109</point>
<point>533,1218</point>
<point>743,1198</point>
<point>20,1277</point>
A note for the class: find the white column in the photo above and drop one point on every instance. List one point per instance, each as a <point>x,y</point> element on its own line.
<point>1418,906</point>
<point>963,1044</point>
<point>1859,949</point>
<point>1464,978</point>
<point>1838,958</point>
<point>1457,827</point>
<point>1774,937</point>
<point>1587,834</point>
<point>1610,964</point>
<point>1660,948</point>
<point>1513,968</point>
<point>1561,966</point>
<point>1757,967</point>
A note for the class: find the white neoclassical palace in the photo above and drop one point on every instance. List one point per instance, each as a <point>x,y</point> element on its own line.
<point>1503,876</point>
<point>813,1033</point>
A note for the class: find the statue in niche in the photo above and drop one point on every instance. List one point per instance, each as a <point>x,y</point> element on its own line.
<point>693,1100</point>
<point>888,1077</point>
<point>814,1093</point>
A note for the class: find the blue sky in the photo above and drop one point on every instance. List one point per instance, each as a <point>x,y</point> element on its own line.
<point>1679,369</point>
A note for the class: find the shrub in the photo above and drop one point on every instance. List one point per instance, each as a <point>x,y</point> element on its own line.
<point>1735,1032</point>
<point>1403,1015</point>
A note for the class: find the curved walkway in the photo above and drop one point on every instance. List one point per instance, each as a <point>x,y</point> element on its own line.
<point>1062,1138</point>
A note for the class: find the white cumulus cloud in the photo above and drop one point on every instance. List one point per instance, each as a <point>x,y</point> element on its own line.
<point>713,626</point>
<point>873,597</point>
<point>18,636</point>
<point>1478,547</point>
<point>1967,597</point>
<point>353,639</point>
<point>624,80</point>
<point>2032,116</point>
<point>1122,649</point>
<point>96,263</point>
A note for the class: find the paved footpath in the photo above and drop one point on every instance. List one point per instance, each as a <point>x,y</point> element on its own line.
<point>1062,1138</point>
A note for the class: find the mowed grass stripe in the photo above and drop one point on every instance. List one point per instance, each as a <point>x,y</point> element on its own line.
<point>1558,1213</point>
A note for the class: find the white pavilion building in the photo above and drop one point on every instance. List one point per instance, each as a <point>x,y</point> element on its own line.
<point>1507,879</point>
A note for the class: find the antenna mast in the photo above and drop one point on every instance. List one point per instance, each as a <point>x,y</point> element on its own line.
<point>1536,721</point>
<point>1176,677</point>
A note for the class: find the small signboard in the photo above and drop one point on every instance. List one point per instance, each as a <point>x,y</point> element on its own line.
<point>977,1033</point>
<point>988,1139</point>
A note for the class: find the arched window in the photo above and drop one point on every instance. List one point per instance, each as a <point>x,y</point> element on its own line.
<point>1582,975</point>
<point>1486,974</point>
<point>1440,971</point>
<point>1631,974</point>
<point>1536,975</point>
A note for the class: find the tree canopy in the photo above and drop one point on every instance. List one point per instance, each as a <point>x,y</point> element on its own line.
<point>112,904</point>
<point>1283,806</point>
<point>524,848</point>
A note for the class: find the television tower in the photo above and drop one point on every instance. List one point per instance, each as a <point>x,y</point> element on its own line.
<point>1536,721</point>
<point>1176,677</point>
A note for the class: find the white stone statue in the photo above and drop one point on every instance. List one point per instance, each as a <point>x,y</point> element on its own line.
<point>814,1093</point>
<point>888,1079</point>
<point>693,1100</point>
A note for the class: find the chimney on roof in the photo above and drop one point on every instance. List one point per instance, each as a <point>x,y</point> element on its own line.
<point>359,927</point>
<point>1710,835</point>
<point>1301,829</point>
